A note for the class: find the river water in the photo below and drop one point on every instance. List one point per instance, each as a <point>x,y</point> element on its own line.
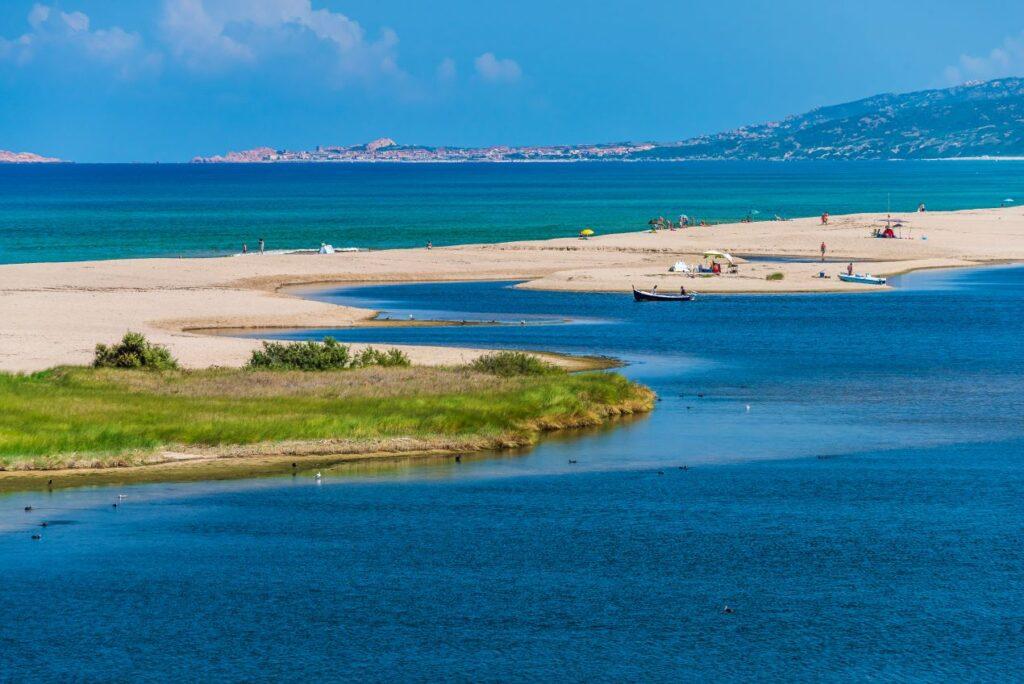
<point>853,492</point>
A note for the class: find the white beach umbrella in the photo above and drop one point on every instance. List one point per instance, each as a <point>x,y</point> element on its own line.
<point>715,254</point>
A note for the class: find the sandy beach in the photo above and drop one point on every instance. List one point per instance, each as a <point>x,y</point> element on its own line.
<point>55,313</point>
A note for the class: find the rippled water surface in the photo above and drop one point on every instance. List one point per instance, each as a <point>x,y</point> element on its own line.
<point>853,492</point>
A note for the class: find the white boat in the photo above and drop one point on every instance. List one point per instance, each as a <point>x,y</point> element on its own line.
<point>864,278</point>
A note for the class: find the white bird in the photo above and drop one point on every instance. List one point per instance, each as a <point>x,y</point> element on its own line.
<point>318,476</point>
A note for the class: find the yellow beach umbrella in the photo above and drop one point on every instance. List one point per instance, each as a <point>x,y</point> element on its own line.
<point>586,232</point>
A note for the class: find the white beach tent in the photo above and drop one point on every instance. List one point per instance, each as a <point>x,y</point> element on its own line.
<point>679,267</point>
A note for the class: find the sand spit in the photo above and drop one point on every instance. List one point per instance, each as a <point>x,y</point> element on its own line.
<point>55,313</point>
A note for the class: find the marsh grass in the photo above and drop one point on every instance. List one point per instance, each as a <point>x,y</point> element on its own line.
<point>82,416</point>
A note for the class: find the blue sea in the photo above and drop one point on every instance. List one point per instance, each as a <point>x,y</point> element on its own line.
<point>853,491</point>
<point>85,211</point>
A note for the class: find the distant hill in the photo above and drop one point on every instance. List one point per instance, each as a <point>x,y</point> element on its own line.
<point>24,158</point>
<point>972,120</point>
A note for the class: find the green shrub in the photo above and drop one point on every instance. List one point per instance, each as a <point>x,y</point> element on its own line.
<point>778,275</point>
<point>321,356</point>
<point>134,351</point>
<point>508,363</point>
<point>375,357</point>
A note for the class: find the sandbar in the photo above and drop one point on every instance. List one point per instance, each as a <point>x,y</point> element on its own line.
<point>55,313</point>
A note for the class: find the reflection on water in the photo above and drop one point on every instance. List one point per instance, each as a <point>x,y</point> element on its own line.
<point>852,492</point>
<point>744,377</point>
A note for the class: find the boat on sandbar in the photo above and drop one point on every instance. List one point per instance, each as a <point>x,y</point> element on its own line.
<point>652,296</point>
<point>863,278</point>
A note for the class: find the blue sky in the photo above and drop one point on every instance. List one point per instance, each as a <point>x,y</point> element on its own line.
<point>112,80</point>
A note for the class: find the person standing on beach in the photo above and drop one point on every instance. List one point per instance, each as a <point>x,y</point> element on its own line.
<point>262,245</point>
<point>823,252</point>
<point>849,268</point>
<point>824,219</point>
<point>245,248</point>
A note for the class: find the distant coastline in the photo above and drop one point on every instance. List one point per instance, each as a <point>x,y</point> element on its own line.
<point>970,121</point>
<point>595,160</point>
<point>8,157</point>
<point>387,150</point>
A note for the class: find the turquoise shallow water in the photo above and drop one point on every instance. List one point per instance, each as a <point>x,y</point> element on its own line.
<point>82,211</point>
<point>854,494</point>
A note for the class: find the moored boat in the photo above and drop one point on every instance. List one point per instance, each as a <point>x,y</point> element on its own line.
<point>645,296</point>
<point>863,278</point>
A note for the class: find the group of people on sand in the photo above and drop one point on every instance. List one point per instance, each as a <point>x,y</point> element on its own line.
<point>261,246</point>
<point>662,223</point>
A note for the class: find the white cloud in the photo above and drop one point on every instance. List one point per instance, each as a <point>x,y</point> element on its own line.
<point>1005,60</point>
<point>211,35</point>
<point>57,34</point>
<point>446,70</point>
<point>495,70</point>
<point>197,38</point>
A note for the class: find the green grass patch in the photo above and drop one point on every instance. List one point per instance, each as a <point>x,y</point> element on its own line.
<point>88,416</point>
<point>777,275</point>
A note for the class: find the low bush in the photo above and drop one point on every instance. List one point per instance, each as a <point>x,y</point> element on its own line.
<point>391,358</point>
<point>321,356</point>
<point>509,363</point>
<point>778,275</point>
<point>134,351</point>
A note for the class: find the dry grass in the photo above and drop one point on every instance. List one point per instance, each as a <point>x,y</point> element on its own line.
<point>370,382</point>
